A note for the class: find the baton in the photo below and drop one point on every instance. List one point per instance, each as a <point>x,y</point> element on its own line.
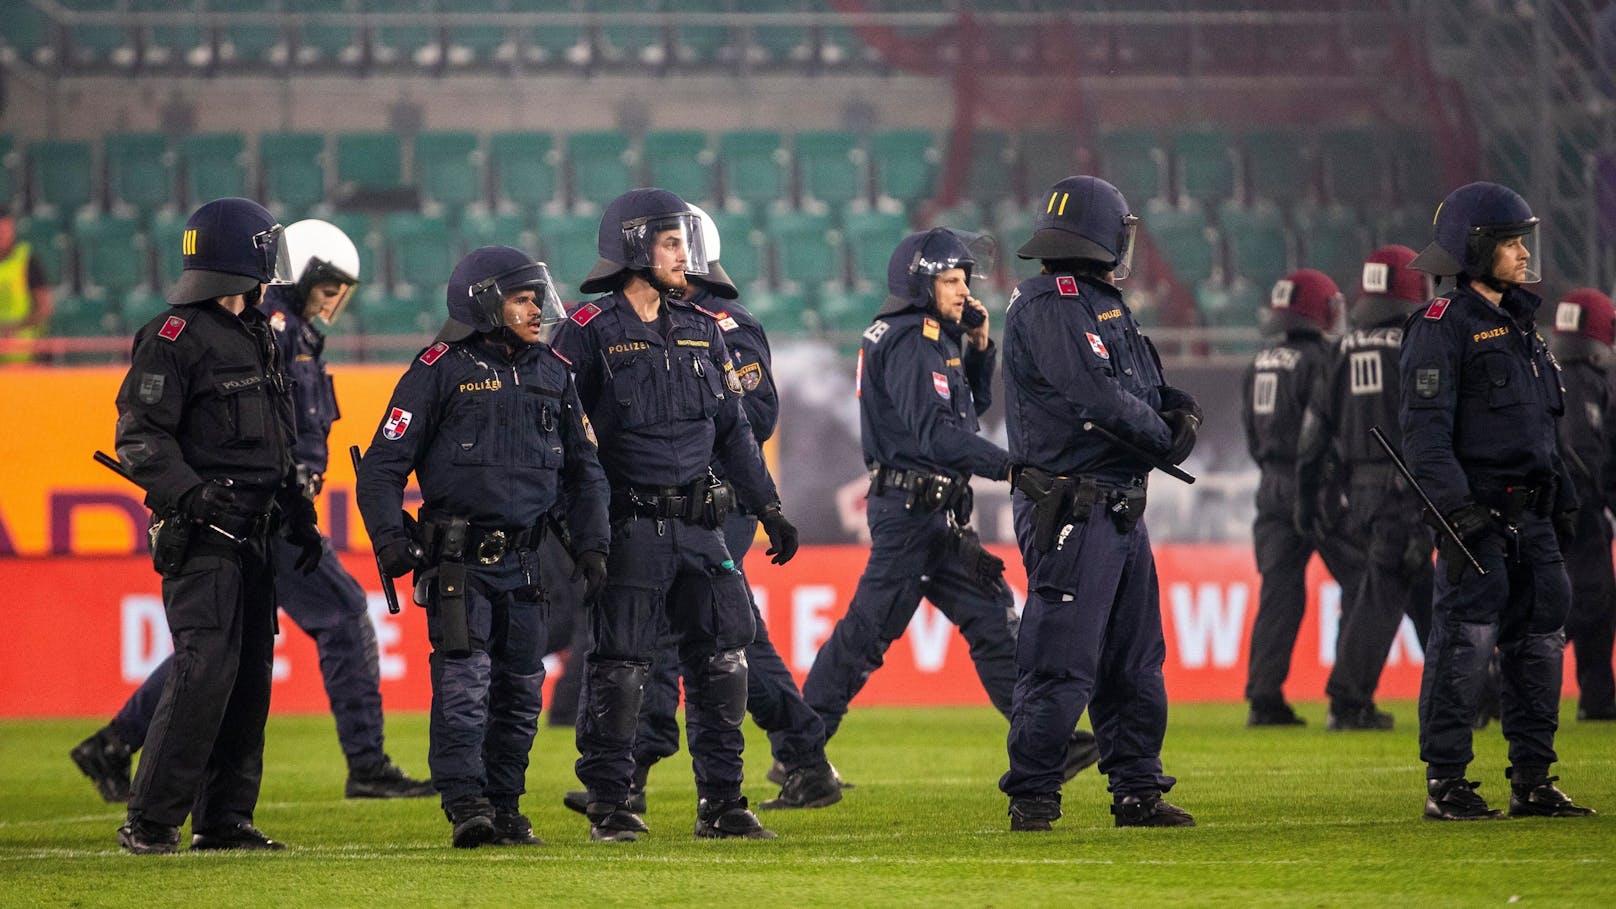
<point>388,590</point>
<point>113,464</point>
<point>1408,475</point>
<point>1133,451</point>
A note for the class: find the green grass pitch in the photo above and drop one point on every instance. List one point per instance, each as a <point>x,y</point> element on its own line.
<point>1292,817</point>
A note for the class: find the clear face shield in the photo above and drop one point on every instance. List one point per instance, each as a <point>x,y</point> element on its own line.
<point>489,295</point>
<point>1124,266</point>
<point>663,241</point>
<point>326,290</point>
<point>275,258</point>
<point>1511,246</point>
<point>979,256</point>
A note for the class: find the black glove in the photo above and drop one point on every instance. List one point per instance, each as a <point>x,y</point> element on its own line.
<point>303,531</point>
<point>1565,527</point>
<point>399,557</point>
<point>1470,522</point>
<point>1305,516</point>
<point>1183,423</point>
<point>208,503</point>
<point>782,536</point>
<point>590,567</point>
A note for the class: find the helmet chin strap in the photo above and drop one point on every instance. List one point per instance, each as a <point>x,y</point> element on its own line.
<point>649,276</point>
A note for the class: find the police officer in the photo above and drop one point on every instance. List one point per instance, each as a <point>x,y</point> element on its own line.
<point>488,419</point>
<point>205,427</point>
<point>328,603</point>
<point>1480,398</point>
<point>656,378</point>
<point>796,733</point>
<point>1303,306</point>
<point>1359,391</point>
<point>1091,634</point>
<point>1583,333</point>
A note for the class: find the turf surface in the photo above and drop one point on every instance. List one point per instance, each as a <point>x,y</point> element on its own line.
<point>1288,817</point>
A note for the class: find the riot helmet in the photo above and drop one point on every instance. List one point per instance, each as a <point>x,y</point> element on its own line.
<point>1586,312</point>
<point>1468,228</point>
<point>629,233</point>
<point>1388,288</point>
<point>230,246</point>
<point>322,253</point>
<point>481,281</point>
<point>1305,300</point>
<point>1084,218</point>
<point>920,257</point>
<point>717,280</point>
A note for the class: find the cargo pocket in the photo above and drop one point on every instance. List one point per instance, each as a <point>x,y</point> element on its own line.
<point>196,599</point>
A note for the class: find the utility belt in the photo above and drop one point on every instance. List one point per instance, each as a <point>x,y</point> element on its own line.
<point>925,491</point>
<point>175,538</point>
<point>1061,500</point>
<point>1514,500</point>
<point>446,538</point>
<point>707,502</point>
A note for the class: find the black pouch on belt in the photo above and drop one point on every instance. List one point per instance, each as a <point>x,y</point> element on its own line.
<point>1127,507</point>
<point>454,633</point>
<point>170,539</point>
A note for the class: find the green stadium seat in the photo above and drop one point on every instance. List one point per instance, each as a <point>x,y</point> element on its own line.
<point>1355,168</point>
<point>1279,167</point>
<point>807,250</point>
<point>414,43</point>
<point>420,249</point>
<point>742,247</point>
<point>370,161</point>
<point>418,311</point>
<point>471,44</point>
<point>112,254</point>
<point>524,168</point>
<point>702,44</point>
<point>1334,242</point>
<point>448,168</point>
<point>8,170</point>
<point>83,316</point>
<point>498,229</point>
<point>1048,156</point>
<point>323,42</point>
<point>601,166</point>
<point>27,36</point>
<point>1131,160</point>
<point>250,45</point>
<point>1235,305</point>
<point>293,169</point>
<point>1184,239</point>
<point>165,237</point>
<point>753,163</point>
<point>1205,165</point>
<point>782,312</point>
<point>215,166</point>
<point>871,237</point>
<point>904,163</point>
<point>139,166</point>
<point>554,44</point>
<point>842,309</point>
<point>47,236</point>
<point>638,41</point>
<point>966,214</point>
<point>62,177</point>
<point>99,44</point>
<point>185,44</point>
<point>776,44</point>
<point>568,245</point>
<point>680,162</point>
<point>1013,227</point>
<point>360,228</point>
<point>830,166</point>
<point>991,176</point>
<point>138,307</point>
<point>1259,246</point>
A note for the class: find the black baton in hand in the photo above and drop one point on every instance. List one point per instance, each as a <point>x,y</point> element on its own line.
<point>1133,451</point>
<point>116,466</point>
<point>1408,475</point>
<point>388,590</point>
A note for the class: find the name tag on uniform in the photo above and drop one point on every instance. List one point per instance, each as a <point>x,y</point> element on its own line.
<point>1097,345</point>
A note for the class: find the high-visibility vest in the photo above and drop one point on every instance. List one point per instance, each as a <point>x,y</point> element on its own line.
<point>16,302</point>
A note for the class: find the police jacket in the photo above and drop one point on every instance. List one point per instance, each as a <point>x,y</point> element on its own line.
<point>1360,389</point>
<point>749,352</point>
<point>493,436</point>
<point>663,408</point>
<point>1073,354</point>
<point>920,395</point>
<point>205,399</point>
<point>314,401</point>
<point>1588,429</point>
<point>1480,395</point>
<point>1278,385</point>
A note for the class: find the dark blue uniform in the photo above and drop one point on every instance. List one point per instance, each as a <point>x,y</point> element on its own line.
<point>495,438</point>
<point>919,399</point>
<point>796,733</point>
<point>1480,398</point>
<point>1091,633</point>
<point>665,402</point>
<point>328,603</point>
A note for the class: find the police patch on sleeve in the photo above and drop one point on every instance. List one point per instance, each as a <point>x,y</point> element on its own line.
<point>730,379</point>
<point>751,375</point>
<point>1427,382</point>
<point>939,384</point>
<point>1097,345</point>
<point>151,387</point>
<point>398,420</point>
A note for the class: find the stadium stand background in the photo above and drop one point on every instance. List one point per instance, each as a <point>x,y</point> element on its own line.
<point>1252,137</point>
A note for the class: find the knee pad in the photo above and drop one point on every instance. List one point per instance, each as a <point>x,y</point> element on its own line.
<point>723,686</point>
<point>615,688</point>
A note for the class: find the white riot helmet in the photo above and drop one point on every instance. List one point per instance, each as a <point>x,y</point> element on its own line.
<point>716,278</point>
<point>322,254</point>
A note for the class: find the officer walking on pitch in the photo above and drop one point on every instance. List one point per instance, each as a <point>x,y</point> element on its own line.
<point>205,427</point>
<point>328,603</point>
<point>656,377</point>
<point>1302,307</point>
<point>488,419</point>
<point>1583,333</point>
<point>796,733</point>
<point>1359,391</point>
<point>1091,632</point>
<point>1480,397</point>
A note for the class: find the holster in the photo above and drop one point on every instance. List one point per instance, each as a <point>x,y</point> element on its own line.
<point>1127,506</point>
<point>709,502</point>
<point>170,540</point>
<point>1066,500</point>
<point>446,547</point>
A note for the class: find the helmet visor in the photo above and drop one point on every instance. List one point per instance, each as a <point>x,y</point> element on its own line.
<point>274,258</point>
<point>489,294</point>
<point>1125,237</point>
<point>977,253</point>
<point>670,241</point>
<point>1515,251</point>
<point>317,275</point>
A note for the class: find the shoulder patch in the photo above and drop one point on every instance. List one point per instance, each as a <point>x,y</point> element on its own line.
<point>931,329</point>
<point>726,321</point>
<point>876,330</point>
<point>584,313</point>
<point>561,356</point>
<point>1067,285</point>
<point>1437,308</point>
<point>171,329</point>
<point>431,354</point>
<point>1097,345</point>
